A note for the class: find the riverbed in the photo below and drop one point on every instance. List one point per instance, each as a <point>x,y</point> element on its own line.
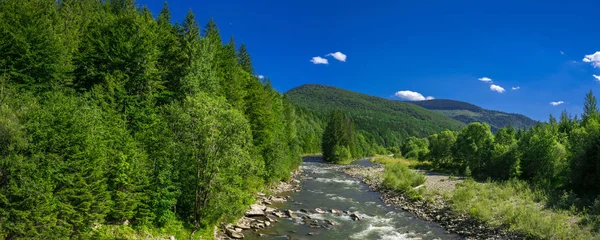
<point>323,187</point>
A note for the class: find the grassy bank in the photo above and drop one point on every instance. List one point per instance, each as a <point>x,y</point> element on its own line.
<point>514,204</point>
<point>510,204</point>
<point>175,229</point>
<point>382,159</point>
<point>401,179</point>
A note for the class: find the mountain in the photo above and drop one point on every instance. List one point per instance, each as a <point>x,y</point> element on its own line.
<point>383,120</point>
<point>467,113</point>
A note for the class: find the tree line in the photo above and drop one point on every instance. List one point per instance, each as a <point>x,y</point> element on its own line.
<point>109,115</point>
<point>558,155</point>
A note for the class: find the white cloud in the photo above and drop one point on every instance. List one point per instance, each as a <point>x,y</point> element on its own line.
<point>496,88</point>
<point>485,79</point>
<point>412,96</point>
<point>556,103</point>
<point>319,60</point>
<point>596,77</point>
<point>261,77</point>
<point>516,88</point>
<point>593,58</point>
<point>338,55</point>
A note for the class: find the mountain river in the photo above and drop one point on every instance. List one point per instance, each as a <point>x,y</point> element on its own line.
<point>322,186</point>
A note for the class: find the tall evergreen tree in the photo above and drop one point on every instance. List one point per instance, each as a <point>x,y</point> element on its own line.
<point>244,59</point>
<point>590,108</point>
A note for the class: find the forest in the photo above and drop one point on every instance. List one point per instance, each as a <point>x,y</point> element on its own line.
<point>383,123</point>
<point>559,157</point>
<point>112,116</point>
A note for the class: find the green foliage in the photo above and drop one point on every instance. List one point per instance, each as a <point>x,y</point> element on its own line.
<point>108,116</point>
<point>440,148</point>
<point>515,205</point>
<point>559,157</point>
<point>383,122</point>
<point>472,147</point>
<point>339,139</point>
<point>400,178</point>
<point>469,113</point>
<point>415,148</point>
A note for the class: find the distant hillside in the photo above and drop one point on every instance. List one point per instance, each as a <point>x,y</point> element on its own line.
<point>467,113</point>
<point>386,121</point>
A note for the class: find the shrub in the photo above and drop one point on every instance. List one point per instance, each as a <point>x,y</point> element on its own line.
<point>399,178</point>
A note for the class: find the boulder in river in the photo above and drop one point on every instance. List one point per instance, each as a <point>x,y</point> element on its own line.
<point>234,234</point>
<point>244,223</point>
<point>319,211</point>
<point>330,222</point>
<point>355,217</point>
<point>278,214</point>
<point>291,214</point>
<point>256,210</point>
<point>278,199</point>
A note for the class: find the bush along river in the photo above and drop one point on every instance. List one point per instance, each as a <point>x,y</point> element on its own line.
<point>328,204</point>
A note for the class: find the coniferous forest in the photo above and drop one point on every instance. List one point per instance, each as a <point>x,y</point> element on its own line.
<point>110,115</point>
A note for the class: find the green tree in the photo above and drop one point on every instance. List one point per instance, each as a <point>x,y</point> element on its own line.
<point>440,148</point>
<point>472,148</point>
<point>415,148</point>
<point>244,59</point>
<point>34,55</point>
<point>339,138</point>
<point>590,108</point>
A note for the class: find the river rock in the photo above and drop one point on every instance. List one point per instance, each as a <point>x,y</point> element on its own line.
<point>271,219</point>
<point>355,217</point>
<point>319,211</point>
<point>234,234</point>
<point>335,211</point>
<point>291,214</point>
<point>278,214</point>
<point>270,210</point>
<point>303,210</point>
<point>256,210</point>
<point>313,223</point>
<point>278,200</point>
<point>330,222</point>
<point>254,213</point>
<point>244,223</point>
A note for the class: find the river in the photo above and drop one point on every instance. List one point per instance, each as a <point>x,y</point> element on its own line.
<point>325,188</point>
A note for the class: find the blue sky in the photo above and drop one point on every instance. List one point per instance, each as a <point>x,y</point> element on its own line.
<point>435,48</point>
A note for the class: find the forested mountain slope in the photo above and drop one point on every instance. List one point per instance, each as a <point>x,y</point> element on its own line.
<point>383,120</point>
<point>112,118</point>
<point>468,113</point>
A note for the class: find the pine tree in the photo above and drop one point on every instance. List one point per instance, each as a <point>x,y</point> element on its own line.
<point>244,59</point>
<point>33,54</point>
<point>170,58</point>
<point>338,138</point>
<point>590,109</point>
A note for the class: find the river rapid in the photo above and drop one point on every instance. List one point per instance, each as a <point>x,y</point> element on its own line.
<point>324,187</point>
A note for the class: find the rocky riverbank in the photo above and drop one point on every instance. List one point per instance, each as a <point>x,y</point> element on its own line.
<point>435,210</point>
<point>263,214</point>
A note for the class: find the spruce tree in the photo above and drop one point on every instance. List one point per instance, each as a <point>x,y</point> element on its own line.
<point>590,108</point>
<point>244,59</point>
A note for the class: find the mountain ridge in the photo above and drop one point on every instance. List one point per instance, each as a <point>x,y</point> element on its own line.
<point>468,113</point>
<point>386,121</point>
